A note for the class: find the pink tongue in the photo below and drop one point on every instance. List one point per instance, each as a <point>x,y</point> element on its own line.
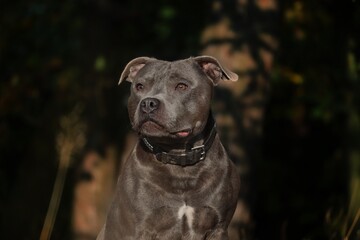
<point>182,134</point>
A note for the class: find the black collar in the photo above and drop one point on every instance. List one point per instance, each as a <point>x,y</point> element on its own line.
<point>190,156</point>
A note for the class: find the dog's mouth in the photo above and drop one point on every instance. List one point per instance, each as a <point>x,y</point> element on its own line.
<point>151,127</point>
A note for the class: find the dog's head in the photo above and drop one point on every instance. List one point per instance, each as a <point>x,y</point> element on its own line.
<point>172,99</point>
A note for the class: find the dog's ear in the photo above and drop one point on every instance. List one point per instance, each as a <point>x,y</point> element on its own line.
<point>133,67</point>
<point>213,69</point>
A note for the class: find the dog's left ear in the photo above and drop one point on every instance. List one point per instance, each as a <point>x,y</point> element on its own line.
<point>213,69</point>
<point>133,67</point>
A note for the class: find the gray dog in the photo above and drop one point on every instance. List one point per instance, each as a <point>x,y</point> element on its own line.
<point>178,182</point>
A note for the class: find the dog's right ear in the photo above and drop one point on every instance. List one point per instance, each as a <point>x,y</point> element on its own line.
<point>133,67</point>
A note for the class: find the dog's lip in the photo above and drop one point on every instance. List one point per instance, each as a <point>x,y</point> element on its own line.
<point>152,121</point>
<point>182,133</point>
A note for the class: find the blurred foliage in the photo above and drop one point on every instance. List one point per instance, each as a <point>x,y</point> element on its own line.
<point>55,55</point>
<point>309,135</point>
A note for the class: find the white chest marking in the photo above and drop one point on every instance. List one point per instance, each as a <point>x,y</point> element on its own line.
<point>188,212</point>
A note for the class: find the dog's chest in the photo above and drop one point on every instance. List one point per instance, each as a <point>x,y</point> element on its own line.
<point>183,220</point>
<point>186,213</point>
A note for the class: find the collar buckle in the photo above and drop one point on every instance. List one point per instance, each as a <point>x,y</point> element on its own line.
<point>201,148</point>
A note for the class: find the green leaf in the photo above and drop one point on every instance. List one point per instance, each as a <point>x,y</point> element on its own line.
<point>100,63</point>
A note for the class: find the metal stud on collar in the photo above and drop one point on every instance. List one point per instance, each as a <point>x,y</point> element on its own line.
<point>148,144</point>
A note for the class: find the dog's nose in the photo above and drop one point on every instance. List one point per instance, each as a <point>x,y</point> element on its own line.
<point>149,105</point>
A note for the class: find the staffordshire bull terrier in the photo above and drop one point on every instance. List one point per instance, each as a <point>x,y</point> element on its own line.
<point>178,183</point>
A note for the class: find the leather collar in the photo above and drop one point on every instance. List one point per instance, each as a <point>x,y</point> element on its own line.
<point>189,156</point>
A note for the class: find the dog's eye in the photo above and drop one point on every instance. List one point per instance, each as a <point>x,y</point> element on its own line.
<point>139,87</point>
<point>181,86</point>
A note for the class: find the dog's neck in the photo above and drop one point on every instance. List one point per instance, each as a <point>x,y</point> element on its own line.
<point>184,153</point>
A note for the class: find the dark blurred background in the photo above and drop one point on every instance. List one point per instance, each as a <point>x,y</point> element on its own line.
<point>291,123</point>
